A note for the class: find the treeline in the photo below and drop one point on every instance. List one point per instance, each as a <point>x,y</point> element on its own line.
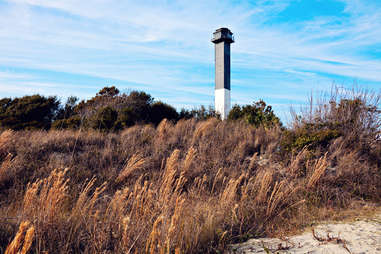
<point>110,110</point>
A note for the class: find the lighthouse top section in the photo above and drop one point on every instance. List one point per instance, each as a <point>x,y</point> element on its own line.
<point>223,34</point>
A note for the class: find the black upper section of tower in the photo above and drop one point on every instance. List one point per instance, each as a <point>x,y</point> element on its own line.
<point>223,34</point>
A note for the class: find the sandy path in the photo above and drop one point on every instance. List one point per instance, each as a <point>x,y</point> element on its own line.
<point>363,236</point>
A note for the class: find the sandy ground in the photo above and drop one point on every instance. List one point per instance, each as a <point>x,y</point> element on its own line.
<point>362,236</point>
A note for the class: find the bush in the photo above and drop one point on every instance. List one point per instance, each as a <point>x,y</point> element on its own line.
<point>130,109</point>
<point>355,117</point>
<point>73,122</point>
<point>160,111</point>
<point>140,104</point>
<point>28,112</point>
<point>296,140</point>
<point>199,114</point>
<point>67,117</point>
<point>68,110</point>
<point>257,114</point>
<point>104,119</point>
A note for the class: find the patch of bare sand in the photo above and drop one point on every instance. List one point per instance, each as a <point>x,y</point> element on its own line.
<point>361,236</point>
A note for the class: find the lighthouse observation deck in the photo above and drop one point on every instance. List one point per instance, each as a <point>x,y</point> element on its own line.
<point>223,34</point>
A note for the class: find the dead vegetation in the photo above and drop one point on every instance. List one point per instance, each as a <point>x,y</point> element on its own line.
<point>189,187</point>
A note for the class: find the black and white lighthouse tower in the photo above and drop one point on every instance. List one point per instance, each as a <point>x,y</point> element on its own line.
<point>222,38</point>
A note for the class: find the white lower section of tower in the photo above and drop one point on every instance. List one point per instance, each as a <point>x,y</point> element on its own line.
<point>222,102</point>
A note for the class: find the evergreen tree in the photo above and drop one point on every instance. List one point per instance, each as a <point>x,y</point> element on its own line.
<point>28,112</point>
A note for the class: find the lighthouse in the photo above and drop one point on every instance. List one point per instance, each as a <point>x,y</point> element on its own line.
<point>222,38</point>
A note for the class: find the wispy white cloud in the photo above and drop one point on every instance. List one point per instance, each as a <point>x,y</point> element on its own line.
<point>9,75</point>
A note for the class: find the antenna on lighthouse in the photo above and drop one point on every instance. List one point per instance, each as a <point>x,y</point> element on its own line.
<point>222,38</point>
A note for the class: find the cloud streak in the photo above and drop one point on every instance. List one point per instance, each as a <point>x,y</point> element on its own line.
<point>164,47</point>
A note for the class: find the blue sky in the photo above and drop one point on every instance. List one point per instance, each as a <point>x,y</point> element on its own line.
<point>284,49</point>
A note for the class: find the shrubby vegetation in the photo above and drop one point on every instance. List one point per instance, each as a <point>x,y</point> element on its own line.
<point>257,114</point>
<point>187,185</point>
<point>109,110</point>
<point>354,118</point>
<point>28,112</point>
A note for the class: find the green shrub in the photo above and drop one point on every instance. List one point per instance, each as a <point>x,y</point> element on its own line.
<point>66,116</point>
<point>28,112</point>
<point>160,110</point>
<point>297,140</point>
<point>257,114</point>
<point>73,122</point>
<point>355,118</point>
<point>200,113</point>
<point>127,117</point>
<point>104,119</point>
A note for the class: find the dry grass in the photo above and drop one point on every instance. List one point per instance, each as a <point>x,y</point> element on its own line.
<point>265,178</point>
<point>190,187</point>
<point>318,170</point>
<point>23,240</point>
<point>6,138</point>
<point>135,163</point>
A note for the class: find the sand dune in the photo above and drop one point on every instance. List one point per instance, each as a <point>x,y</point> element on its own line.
<point>362,236</point>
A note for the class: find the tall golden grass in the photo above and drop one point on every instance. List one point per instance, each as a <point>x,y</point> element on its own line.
<point>23,240</point>
<point>189,187</point>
